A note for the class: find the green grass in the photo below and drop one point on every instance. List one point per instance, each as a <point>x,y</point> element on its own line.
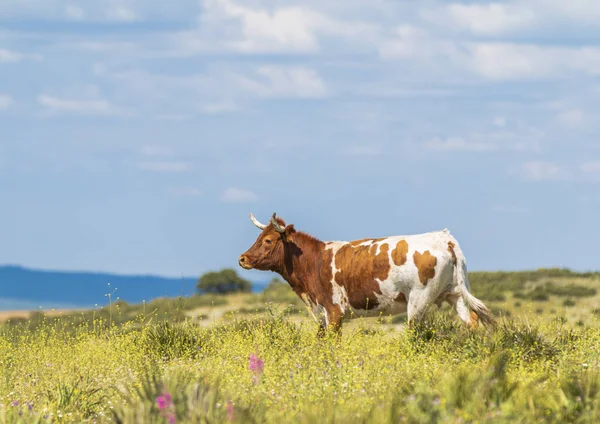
<point>519,371</point>
<point>111,364</point>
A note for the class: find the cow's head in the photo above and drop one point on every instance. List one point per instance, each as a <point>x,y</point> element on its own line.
<point>267,252</point>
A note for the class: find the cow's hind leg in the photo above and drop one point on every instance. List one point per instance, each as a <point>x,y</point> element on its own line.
<point>417,307</point>
<point>460,306</point>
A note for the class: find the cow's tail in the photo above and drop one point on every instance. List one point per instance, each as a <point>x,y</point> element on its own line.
<point>460,276</point>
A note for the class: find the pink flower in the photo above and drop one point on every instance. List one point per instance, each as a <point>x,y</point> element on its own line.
<point>256,364</point>
<point>164,401</point>
<point>171,418</point>
<point>230,412</point>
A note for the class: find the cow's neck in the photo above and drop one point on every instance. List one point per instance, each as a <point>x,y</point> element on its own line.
<point>302,262</point>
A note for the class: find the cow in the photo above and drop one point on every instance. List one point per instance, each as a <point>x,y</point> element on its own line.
<point>368,277</point>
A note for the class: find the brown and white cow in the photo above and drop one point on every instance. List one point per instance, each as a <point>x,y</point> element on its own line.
<point>339,279</point>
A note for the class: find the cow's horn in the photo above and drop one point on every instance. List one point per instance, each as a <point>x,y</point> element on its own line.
<point>276,225</point>
<point>258,224</point>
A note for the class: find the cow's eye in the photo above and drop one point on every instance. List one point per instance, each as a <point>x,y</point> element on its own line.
<point>267,241</point>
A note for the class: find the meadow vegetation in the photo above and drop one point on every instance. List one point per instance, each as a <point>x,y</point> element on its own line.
<point>255,357</point>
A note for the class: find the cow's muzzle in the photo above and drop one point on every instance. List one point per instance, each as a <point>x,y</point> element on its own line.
<point>244,262</point>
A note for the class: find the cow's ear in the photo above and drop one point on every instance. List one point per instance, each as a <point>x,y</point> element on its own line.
<point>288,234</point>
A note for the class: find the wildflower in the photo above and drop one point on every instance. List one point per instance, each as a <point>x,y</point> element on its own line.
<point>256,364</point>
<point>14,403</point>
<point>164,401</point>
<point>230,413</point>
<point>171,418</point>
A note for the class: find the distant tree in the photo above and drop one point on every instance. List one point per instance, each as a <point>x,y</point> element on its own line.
<point>279,291</point>
<point>276,285</point>
<point>224,281</point>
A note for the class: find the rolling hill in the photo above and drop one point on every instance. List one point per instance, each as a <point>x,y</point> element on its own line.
<point>24,288</point>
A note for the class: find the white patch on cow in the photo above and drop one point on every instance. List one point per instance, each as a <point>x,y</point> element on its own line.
<point>339,295</point>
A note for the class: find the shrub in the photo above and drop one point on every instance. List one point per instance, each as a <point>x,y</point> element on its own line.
<point>224,281</point>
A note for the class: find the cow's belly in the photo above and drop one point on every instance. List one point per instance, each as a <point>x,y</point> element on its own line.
<point>401,284</point>
<point>391,308</point>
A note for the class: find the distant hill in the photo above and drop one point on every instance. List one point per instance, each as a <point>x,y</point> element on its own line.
<point>23,288</point>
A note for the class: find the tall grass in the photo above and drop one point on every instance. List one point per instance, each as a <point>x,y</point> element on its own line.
<point>163,371</point>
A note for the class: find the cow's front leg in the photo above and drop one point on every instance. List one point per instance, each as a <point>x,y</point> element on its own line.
<point>330,320</point>
<point>334,318</point>
<point>318,313</point>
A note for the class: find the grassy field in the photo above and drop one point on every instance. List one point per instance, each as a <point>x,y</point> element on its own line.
<point>255,358</point>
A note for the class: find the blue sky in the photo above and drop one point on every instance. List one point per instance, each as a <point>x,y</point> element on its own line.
<point>137,136</point>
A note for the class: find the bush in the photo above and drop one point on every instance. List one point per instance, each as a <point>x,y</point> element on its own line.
<point>224,281</point>
<point>279,291</point>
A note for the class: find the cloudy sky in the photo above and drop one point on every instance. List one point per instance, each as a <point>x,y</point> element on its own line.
<point>137,136</point>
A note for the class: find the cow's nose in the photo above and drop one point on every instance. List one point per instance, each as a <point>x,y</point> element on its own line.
<point>242,260</point>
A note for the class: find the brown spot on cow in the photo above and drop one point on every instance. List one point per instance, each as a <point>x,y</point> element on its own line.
<point>451,250</point>
<point>401,298</point>
<point>400,252</point>
<point>426,265</point>
<point>359,268</point>
<point>474,320</point>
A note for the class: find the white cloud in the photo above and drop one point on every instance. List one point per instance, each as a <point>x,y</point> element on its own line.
<point>507,61</point>
<point>490,18</point>
<point>285,82</point>
<point>286,29</point>
<point>8,56</point>
<point>520,139</point>
<point>121,13</point>
<point>92,107</point>
<point>94,11</point>
<point>514,17</point>
<point>411,42</point>
<point>572,118</point>
<point>499,121</point>
<point>5,101</point>
<point>74,12</point>
<point>543,171</point>
<point>163,166</point>
<point>493,60</point>
<point>289,28</point>
<point>238,195</point>
<point>592,167</point>
<point>515,61</point>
